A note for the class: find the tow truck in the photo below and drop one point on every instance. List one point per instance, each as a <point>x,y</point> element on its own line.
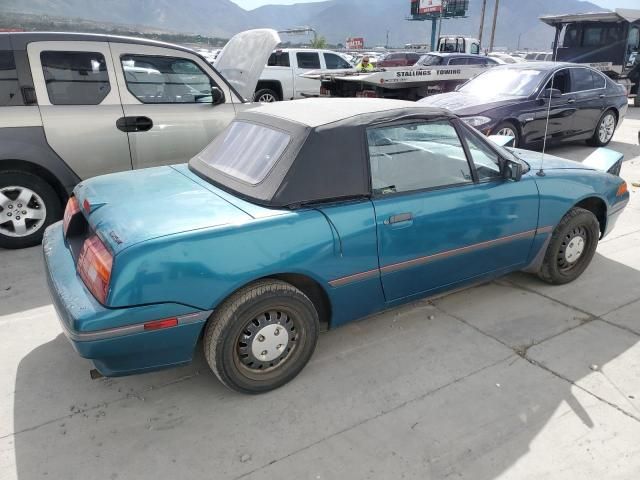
<point>435,73</point>
<point>608,41</point>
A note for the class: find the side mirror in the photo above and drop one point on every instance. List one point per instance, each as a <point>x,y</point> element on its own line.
<point>552,93</point>
<point>217,96</point>
<point>512,170</point>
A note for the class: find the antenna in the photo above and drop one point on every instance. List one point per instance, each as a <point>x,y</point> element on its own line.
<point>540,172</point>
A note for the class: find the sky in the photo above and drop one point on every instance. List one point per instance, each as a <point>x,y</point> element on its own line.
<point>249,4</point>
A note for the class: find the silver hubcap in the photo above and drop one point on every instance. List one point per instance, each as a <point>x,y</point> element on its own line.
<point>607,128</point>
<point>270,342</point>
<point>574,249</point>
<point>507,132</point>
<point>267,98</point>
<point>22,211</point>
<point>267,341</point>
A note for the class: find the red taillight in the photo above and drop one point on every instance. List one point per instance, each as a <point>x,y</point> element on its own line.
<point>158,324</point>
<point>94,267</point>
<point>71,209</point>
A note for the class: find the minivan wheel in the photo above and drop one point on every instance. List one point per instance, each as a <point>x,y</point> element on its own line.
<point>261,337</point>
<point>28,205</point>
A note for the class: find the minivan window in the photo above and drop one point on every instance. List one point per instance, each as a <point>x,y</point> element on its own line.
<point>245,151</point>
<point>9,87</point>
<point>159,79</point>
<point>75,78</point>
<point>308,59</point>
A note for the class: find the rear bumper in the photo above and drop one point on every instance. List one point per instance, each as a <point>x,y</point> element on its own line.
<point>115,339</point>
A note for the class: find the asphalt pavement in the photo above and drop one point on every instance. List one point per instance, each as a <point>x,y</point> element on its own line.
<point>514,379</point>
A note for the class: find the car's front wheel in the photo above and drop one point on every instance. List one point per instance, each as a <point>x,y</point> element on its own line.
<point>28,205</point>
<point>571,248</point>
<point>508,129</point>
<point>266,95</point>
<point>261,337</point>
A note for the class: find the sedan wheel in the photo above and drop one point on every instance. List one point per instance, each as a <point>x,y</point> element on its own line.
<point>261,337</point>
<point>604,130</point>
<point>571,247</point>
<point>607,128</point>
<point>507,129</point>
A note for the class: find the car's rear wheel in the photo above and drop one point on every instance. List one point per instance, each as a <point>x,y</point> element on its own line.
<point>604,130</point>
<point>261,337</point>
<point>571,248</point>
<point>28,205</point>
<point>508,129</point>
<point>266,95</point>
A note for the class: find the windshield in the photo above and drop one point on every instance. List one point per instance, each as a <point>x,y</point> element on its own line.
<point>245,151</point>
<point>504,81</point>
<point>430,60</point>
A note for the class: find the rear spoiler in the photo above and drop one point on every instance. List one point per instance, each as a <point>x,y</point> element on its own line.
<point>605,160</point>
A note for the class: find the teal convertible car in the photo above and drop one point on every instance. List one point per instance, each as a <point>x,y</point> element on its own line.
<point>309,212</point>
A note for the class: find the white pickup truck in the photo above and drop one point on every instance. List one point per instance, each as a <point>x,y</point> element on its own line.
<point>281,80</point>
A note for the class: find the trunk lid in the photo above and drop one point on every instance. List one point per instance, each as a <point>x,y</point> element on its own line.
<point>244,57</point>
<point>131,207</point>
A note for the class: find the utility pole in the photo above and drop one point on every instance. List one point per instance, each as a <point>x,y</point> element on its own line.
<point>493,29</point>
<point>484,7</point>
<point>387,44</point>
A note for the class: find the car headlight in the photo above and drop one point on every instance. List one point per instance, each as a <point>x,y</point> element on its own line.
<point>475,121</point>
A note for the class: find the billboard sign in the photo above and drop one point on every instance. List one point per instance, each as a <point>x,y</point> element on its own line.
<point>356,43</point>
<point>430,6</point>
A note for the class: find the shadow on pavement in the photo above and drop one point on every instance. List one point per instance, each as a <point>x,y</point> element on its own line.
<point>399,392</point>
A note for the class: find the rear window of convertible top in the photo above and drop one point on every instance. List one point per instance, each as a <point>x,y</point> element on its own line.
<point>246,151</point>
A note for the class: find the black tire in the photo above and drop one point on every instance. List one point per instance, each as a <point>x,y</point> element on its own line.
<point>558,268</point>
<point>266,95</point>
<point>234,330</point>
<point>35,228</point>
<point>636,99</point>
<point>510,127</point>
<point>596,140</point>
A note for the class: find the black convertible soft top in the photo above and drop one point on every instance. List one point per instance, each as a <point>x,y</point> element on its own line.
<point>326,158</point>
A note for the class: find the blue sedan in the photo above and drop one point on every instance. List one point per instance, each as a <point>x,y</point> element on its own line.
<point>515,100</point>
<point>310,212</point>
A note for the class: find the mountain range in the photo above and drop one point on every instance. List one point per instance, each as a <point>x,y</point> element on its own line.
<point>518,21</point>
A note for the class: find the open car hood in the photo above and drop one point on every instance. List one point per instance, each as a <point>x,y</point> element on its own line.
<point>244,57</point>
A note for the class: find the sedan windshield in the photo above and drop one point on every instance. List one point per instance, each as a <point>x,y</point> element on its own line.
<point>245,151</point>
<point>505,81</point>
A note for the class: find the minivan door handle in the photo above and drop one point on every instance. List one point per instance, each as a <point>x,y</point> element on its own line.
<point>401,217</point>
<point>134,124</point>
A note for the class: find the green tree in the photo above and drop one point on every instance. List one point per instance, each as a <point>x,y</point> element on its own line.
<point>319,42</point>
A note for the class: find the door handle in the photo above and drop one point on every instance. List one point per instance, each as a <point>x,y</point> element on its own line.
<point>402,217</point>
<point>571,100</point>
<point>602,95</point>
<point>134,124</point>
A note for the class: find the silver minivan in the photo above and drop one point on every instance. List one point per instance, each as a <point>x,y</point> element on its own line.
<point>73,106</point>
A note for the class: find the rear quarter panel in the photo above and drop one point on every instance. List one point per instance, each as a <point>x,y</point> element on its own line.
<point>201,268</point>
<point>561,189</point>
